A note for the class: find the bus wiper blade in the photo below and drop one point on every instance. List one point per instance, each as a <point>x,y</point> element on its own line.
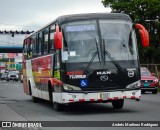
<point>113,61</point>
<point>111,57</point>
<point>93,57</point>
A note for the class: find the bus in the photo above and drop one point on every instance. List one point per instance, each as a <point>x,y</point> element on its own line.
<point>84,58</point>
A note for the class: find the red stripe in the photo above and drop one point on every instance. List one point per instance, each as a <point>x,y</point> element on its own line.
<point>92,100</point>
<point>100,100</point>
<point>71,100</point>
<point>81,100</point>
<point>132,97</point>
<point>124,96</point>
<point>115,98</point>
<point>109,98</point>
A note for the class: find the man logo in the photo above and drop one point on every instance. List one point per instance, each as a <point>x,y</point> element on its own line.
<point>130,73</point>
<point>104,78</point>
<point>103,72</point>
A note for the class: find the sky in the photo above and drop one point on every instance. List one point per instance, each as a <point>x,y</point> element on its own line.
<point>34,14</point>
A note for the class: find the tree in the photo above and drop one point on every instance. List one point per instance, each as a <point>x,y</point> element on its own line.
<point>146,12</point>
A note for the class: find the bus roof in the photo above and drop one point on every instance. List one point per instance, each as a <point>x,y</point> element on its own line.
<point>74,17</point>
<point>68,18</point>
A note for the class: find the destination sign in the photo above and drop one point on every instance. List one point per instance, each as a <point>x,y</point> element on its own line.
<point>80,28</point>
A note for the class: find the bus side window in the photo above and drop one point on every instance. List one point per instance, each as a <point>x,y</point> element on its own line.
<point>40,44</point>
<point>45,41</point>
<point>51,40</point>
<point>29,47</point>
<point>37,44</point>
<point>25,49</point>
<point>34,46</point>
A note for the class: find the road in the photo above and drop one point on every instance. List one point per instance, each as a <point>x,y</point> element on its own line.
<point>16,106</point>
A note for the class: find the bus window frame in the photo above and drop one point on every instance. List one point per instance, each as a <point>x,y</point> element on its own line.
<point>41,43</point>
<point>51,41</point>
<point>29,48</point>
<point>37,44</point>
<point>34,54</point>
<point>25,49</point>
<point>46,39</point>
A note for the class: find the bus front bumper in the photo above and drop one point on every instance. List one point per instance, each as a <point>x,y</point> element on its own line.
<point>65,98</point>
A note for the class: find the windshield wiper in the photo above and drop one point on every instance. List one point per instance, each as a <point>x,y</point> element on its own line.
<point>93,57</point>
<point>106,52</point>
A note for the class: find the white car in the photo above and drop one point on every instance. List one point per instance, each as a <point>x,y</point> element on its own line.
<point>12,75</point>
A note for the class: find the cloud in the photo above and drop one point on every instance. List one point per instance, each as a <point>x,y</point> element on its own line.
<point>33,14</point>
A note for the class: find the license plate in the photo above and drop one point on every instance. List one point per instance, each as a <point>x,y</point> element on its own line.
<point>105,95</point>
<point>146,84</point>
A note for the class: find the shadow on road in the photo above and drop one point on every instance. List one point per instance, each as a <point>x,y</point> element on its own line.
<point>85,108</point>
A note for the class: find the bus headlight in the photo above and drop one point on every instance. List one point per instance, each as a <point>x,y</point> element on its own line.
<point>134,85</point>
<point>70,87</point>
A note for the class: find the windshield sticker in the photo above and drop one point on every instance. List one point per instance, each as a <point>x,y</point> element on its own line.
<point>64,55</point>
<point>84,83</point>
<point>80,28</point>
<point>77,76</point>
<point>72,53</point>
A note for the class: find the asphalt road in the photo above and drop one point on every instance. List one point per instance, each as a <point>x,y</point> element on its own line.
<point>16,106</point>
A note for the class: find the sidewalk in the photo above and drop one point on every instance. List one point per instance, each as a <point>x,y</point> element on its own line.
<point>7,114</point>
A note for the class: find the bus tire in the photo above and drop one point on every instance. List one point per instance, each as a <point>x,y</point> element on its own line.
<point>50,91</point>
<point>118,104</point>
<point>34,99</point>
<point>57,106</point>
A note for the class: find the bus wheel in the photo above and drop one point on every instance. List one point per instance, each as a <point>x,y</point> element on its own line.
<point>118,104</point>
<point>57,106</point>
<point>34,99</point>
<point>50,91</point>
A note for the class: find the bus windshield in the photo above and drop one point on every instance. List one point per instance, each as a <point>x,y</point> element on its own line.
<point>86,40</point>
<point>80,39</point>
<point>119,39</point>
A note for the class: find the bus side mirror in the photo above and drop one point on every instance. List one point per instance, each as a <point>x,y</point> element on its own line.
<point>144,34</point>
<point>58,39</point>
